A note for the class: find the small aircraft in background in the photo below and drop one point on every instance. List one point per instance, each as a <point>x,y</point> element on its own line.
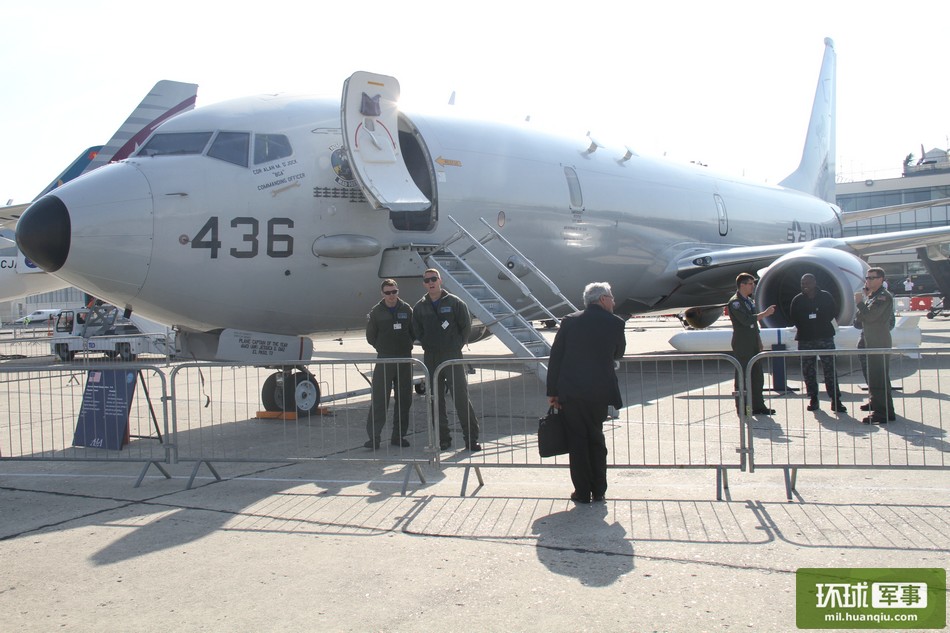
<point>253,223</point>
<point>19,276</point>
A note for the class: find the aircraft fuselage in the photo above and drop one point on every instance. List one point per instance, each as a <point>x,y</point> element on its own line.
<point>290,245</point>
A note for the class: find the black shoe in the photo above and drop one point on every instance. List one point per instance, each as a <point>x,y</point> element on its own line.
<point>813,405</point>
<point>399,442</point>
<point>866,406</point>
<point>373,444</point>
<point>473,446</point>
<point>892,417</point>
<point>839,408</point>
<point>597,498</point>
<point>445,444</point>
<point>764,411</point>
<point>576,498</point>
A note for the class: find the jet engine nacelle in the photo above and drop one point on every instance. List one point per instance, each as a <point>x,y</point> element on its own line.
<point>700,317</point>
<point>838,272</point>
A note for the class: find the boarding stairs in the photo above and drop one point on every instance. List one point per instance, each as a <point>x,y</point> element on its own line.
<point>511,326</point>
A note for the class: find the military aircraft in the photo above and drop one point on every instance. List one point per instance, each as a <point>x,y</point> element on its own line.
<point>18,275</point>
<point>251,223</point>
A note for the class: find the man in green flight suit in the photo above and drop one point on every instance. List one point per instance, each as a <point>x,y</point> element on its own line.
<point>389,330</point>
<point>875,306</point>
<point>442,324</point>
<point>746,341</point>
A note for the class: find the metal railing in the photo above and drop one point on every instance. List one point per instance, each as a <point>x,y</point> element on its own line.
<point>680,411</point>
<point>795,438</point>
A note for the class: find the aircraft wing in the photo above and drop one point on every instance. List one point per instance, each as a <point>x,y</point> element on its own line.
<point>755,257</point>
<point>11,213</point>
<point>848,217</point>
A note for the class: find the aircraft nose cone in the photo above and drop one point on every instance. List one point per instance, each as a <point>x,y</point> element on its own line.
<point>43,233</point>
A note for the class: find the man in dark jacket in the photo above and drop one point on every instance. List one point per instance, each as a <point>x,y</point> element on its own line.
<point>875,316</point>
<point>746,341</point>
<point>389,330</point>
<point>442,324</point>
<point>582,383</point>
<point>813,312</point>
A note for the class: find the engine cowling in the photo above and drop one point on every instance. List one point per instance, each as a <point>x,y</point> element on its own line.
<point>838,272</point>
<point>700,317</point>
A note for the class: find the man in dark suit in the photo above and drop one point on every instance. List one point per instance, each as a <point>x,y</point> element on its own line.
<point>582,383</point>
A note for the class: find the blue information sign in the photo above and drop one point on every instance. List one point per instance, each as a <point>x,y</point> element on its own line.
<point>104,415</point>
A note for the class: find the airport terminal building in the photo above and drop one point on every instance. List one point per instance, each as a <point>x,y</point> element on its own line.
<point>924,179</point>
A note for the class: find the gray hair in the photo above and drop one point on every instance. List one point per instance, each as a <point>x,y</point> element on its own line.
<point>594,291</point>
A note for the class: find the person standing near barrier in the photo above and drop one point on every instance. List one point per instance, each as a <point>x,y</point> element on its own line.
<point>875,307</point>
<point>582,383</point>
<point>813,312</point>
<point>442,324</point>
<point>746,341</point>
<point>389,330</point>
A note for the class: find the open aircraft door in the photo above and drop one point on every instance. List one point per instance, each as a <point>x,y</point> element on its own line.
<point>371,139</point>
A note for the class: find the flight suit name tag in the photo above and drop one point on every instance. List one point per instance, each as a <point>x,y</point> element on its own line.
<point>397,326</point>
<point>445,325</point>
<point>813,315</point>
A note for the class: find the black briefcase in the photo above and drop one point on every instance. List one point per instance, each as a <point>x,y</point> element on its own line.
<point>552,434</point>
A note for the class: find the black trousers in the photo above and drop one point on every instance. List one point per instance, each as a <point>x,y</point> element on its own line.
<point>588,448</point>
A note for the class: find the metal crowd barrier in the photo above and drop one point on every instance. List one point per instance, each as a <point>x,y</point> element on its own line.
<point>40,407</point>
<point>218,416</point>
<point>35,345</point>
<point>795,438</point>
<point>680,411</point>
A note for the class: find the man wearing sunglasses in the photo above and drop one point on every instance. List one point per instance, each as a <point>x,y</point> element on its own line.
<point>442,324</point>
<point>746,341</point>
<point>389,330</point>
<point>875,317</point>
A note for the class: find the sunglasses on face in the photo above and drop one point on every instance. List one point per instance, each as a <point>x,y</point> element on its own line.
<point>390,292</point>
<point>873,277</point>
<point>430,280</point>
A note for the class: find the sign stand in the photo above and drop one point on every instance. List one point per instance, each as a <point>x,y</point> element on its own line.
<point>106,404</point>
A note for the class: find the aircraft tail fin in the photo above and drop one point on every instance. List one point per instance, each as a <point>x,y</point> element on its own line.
<point>75,169</point>
<point>816,172</point>
<point>165,100</point>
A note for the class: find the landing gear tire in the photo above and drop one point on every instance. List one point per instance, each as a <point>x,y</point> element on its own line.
<point>63,353</point>
<point>306,393</point>
<point>420,387</point>
<point>269,397</point>
<point>301,393</point>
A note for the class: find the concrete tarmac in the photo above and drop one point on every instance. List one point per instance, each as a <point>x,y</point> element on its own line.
<point>335,546</point>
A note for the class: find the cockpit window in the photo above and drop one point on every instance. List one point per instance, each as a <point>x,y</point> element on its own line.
<point>268,147</point>
<point>177,144</point>
<point>231,147</point>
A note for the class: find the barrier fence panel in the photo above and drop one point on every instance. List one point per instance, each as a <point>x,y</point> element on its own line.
<point>23,347</point>
<point>680,411</point>
<point>45,410</point>
<point>219,412</point>
<point>96,350</point>
<point>917,437</point>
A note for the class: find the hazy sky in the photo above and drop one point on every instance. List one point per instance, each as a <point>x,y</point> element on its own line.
<point>729,84</point>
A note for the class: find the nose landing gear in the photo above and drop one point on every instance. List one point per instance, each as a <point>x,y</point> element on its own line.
<point>289,390</point>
